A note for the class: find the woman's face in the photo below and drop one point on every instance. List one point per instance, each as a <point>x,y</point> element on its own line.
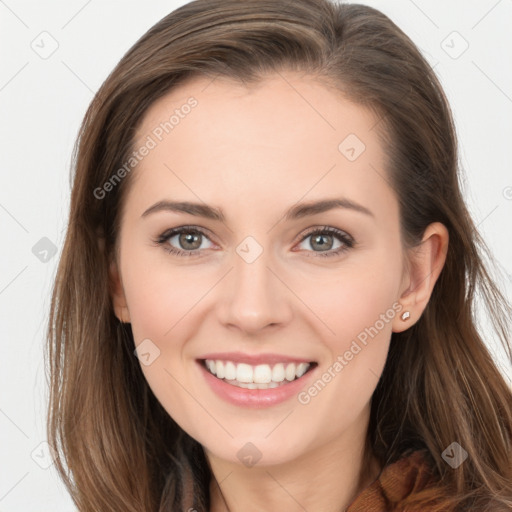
<point>289,260</point>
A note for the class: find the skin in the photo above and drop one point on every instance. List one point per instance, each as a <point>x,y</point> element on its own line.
<point>253,152</point>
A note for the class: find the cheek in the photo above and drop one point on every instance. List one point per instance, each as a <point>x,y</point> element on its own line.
<point>161,300</point>
<point>160,295</point>
<point>360,296</point>
<point>357,311</point>
<point>164,301</point>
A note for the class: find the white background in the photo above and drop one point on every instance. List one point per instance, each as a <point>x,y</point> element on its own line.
<point>42,102</point>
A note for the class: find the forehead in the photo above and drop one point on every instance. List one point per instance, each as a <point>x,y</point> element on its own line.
<point>286,137</point>
<point>276,111</point>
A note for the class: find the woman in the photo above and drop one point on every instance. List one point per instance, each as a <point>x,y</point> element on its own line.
<point>266,293</point>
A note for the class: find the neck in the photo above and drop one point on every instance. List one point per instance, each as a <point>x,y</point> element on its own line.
<point>326,478</point>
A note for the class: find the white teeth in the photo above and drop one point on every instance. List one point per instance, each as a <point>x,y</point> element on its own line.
<point>252,385</point>
<point>290,372</point>
<point>301,369</point>
<point>261,376</point>
<point>220,369</point>
<point>244,373</point>
<point>230,371</point>
<point>278,372</point>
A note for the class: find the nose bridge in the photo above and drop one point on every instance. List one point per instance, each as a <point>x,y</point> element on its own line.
<point>255,297</point>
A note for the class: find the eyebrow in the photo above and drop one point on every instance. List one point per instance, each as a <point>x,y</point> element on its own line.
<point>295,212</point>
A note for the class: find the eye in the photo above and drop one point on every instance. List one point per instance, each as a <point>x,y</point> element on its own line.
<point>328,241</point>
<point>189,240</point>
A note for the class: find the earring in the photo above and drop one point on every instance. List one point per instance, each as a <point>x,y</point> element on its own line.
<point>405,315</point>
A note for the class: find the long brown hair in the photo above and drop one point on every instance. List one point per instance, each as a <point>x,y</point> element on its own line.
<point>118,449</point>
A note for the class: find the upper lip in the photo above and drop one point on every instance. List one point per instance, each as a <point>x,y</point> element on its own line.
<point>253,359</point>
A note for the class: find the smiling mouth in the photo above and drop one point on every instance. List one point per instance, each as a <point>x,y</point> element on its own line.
<point>261,376</point>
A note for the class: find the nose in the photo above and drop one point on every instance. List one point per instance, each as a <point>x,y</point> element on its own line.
<point>254,296</point>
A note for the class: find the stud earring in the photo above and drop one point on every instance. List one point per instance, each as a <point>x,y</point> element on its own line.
<point>405,315</point>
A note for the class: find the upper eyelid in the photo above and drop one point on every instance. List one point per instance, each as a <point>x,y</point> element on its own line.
<point>168,233</point>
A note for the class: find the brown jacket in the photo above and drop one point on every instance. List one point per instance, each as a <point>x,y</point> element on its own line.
<point>395,482</point>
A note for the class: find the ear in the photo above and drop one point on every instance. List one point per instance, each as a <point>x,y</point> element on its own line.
<point>117,294</point>
<point>424,266</point>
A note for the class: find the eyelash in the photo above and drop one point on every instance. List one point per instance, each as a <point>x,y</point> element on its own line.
<point>348,242</point>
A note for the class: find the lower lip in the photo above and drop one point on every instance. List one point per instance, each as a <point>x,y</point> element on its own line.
<point>255,398</point>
